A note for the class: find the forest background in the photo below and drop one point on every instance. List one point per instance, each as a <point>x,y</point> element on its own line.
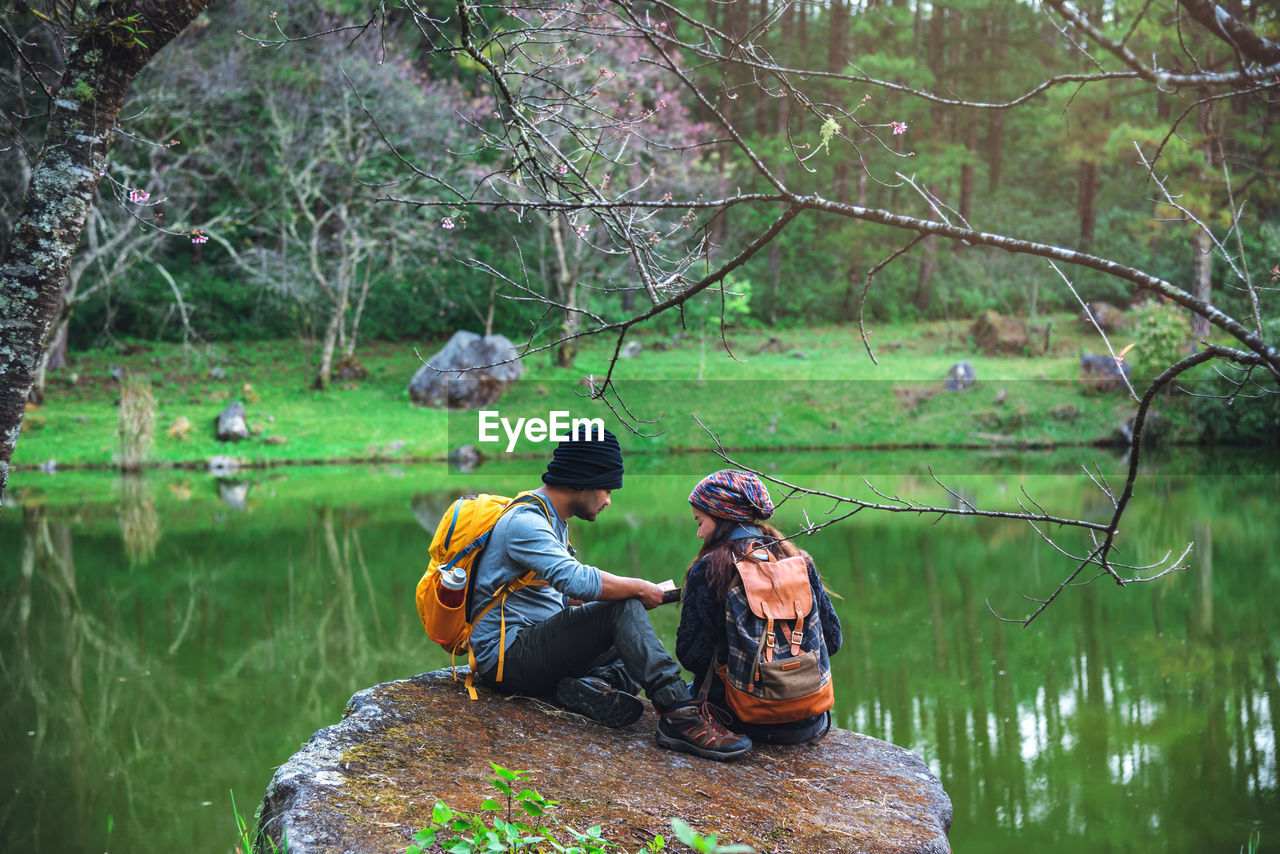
<point>247,195</point>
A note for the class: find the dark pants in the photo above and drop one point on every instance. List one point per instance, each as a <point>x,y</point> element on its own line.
<point>613,641</point>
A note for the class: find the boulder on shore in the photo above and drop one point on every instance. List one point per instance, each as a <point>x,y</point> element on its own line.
<point>230,425</point>
<point>369,782</point>
<point>996,334</point>
<point>471,371</point>
<point>1101,315</point>
<point>961,376</point>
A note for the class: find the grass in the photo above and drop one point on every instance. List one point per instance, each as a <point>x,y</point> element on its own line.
<point>788,389</point>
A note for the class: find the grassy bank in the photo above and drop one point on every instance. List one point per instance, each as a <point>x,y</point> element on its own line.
<point>791,389</point>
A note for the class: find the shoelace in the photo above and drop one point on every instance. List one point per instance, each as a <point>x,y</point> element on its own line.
<point>709,711</point>
<point>712,730</point>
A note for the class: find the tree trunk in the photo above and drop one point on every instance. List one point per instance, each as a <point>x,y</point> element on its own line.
<point>1201,279</point>
<point>995,148</point>
<point>936,50</point>
<point>854,274</point>
<point>973,53</point>
<point>967,178</point>
<point>566,287</point>
<point>359,309</point>
<point>1202,245</point>
<point>802,39</point>
<point>99,71</point>
<point>53,356</point>
<point>968,175</point>
<point>837,59</point>
<point>764,106</point>
<point>325,374</point>
<point>928,264</point>
<point>1088,194</point>
<point>995,118</point>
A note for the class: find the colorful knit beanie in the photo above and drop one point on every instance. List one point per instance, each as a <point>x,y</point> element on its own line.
<point>587,460</point>
<point>730,494</point>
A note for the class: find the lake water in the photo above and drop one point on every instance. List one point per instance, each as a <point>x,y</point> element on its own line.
<point>168,641</point>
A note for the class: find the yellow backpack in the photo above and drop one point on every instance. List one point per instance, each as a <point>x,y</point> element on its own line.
<point>459,540</point>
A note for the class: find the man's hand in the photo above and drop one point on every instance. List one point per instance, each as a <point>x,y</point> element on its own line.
<point>614,587</point>
<point>652,595</point>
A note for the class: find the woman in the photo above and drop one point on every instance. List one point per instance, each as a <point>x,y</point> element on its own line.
<point>730,508</point>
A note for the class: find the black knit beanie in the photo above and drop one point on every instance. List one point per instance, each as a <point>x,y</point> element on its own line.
<point>587,460</point>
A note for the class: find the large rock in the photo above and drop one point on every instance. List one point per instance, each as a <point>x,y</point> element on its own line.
<point>1102,373</point>
<point>961,376</point>
<point>231,425</point>
<point>368,783</point>
<point>1101,315</point>
<point>471,371</point>
<point>995,334</point>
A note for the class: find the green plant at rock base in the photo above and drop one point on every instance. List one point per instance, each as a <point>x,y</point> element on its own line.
<point>486,831</point>
<point>706,844</point>
<point>248,839</point>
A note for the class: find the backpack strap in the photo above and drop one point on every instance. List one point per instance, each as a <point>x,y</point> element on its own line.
<point>703,700</point>
<point>797,632</point>
<point>499,598</point>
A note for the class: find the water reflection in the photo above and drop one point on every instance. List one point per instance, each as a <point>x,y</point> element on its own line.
<point>155,673</point>
<point>139,523</point>
<point>1114,736</point>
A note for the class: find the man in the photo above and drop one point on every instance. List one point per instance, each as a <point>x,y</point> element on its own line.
<point>596,656</point>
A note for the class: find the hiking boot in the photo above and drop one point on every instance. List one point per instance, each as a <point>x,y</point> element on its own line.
<point>686,730</point>
<point>600,701</point>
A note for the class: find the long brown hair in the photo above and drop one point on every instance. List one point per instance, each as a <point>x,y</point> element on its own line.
<point>722,553</point>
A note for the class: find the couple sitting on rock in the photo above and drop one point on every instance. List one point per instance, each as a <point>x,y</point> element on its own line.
<point>584,636</point>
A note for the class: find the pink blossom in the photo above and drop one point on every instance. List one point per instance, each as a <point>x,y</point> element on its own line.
<point>564,169</point>
<point>1275,273</point>
<point>139,197</point>
<point>447,223</point>
<point>898,127</point>
<point>199,236</point>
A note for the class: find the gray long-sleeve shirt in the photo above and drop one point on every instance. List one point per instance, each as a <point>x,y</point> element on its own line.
<point>525,540</point>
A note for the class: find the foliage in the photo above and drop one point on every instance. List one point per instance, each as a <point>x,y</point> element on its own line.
<point>497,827</point>
<point>214,97</point>
<point>1231,407</point>
<point>706,844</point>
<point>1158,332</point>
<point>729,304</point>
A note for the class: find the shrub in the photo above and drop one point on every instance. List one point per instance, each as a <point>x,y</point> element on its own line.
<point>1158,334</point>
<point>1230,414</point>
